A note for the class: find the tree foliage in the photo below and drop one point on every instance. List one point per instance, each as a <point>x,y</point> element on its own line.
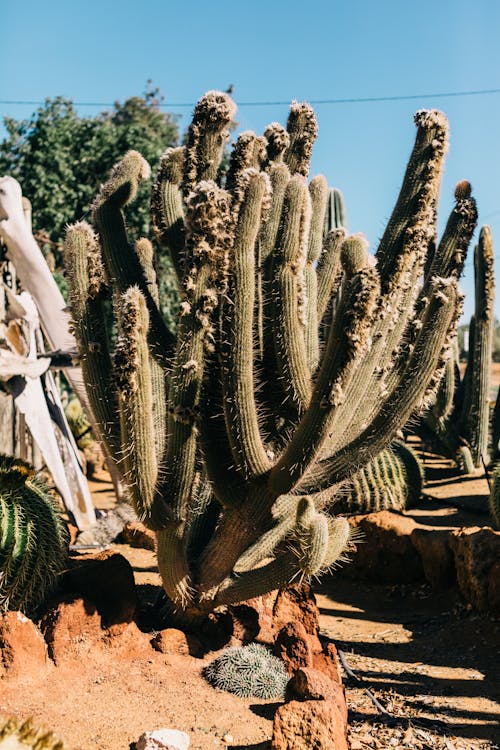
<point>60,158</point>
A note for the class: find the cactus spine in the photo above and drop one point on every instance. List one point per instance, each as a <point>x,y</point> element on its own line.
<point>264,416</point>
<point>33,537</point>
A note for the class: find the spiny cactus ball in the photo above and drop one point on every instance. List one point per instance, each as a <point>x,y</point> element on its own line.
<point>248,671</point>
<point>15,736</point>
<point>33,537</point>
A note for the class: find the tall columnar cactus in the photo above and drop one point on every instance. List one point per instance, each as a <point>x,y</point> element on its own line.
<point>494,501</point>
<point>335,216</point>
<point>235,437</point>
<point>475,413</point>
<point>458,422</point>
<point>33,537</point>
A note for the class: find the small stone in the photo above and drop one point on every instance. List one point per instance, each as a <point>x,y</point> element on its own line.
<point>228,738</point>
<point>171,641</point>
<point>163,739</point>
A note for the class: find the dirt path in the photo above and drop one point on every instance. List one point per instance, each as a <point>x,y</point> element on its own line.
<point>424,656</point>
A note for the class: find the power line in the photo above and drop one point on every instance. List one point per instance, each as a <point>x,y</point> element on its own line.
<point>352,100</point>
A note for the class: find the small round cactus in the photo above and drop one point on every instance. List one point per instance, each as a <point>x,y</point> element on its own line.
<point>248,671</point>
<point>33,537</point>
<point>15,736</point>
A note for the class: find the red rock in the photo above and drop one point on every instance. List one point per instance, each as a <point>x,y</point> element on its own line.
<point>137,535</point>
<point>127,641</point>
<point>23,650</point>
<point>476,551</point>
<point>171,641</point>
<point>106,579</point>
<point>386,553</point>
<point>311,684</point>
<point>309,725</point>
<point>72,629</point>
<point>328,662</point>
<point>436,555</point>
<point>293,645</point>
<point>297,603</point>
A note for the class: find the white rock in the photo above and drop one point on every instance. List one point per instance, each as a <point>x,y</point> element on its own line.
<point>163,739</point>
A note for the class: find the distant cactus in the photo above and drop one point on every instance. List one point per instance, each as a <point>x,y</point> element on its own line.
<point>393,480</point>
<point>79,424</point>
<point>335,216</point>
<point>494,501</point>
<point>457,424</point>
<point>22,736</point>
<point>248,672</point>
<point>33,537</point>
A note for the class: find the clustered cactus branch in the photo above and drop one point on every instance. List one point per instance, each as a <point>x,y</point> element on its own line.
<point>298,356</point>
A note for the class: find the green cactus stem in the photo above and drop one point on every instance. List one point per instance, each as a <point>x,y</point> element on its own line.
<point>33,537</point>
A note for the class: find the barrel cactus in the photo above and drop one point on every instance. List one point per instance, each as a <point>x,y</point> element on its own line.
<point>33,537</point>
<point>235,434</point>
<point>248,671</point>
<point>393,480</point>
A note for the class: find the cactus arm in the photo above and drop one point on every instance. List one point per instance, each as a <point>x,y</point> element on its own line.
<point>238,353</point>
<point>277,140</point>
<point>207,135</point>
<point>347,344</point>
<point>208,219</point>
<point>476,406</point>
<point>132,374</point>
<point>421,183</point>
<point>145,253</point>
<point>450,254</point>
<point>86,274</point>
<point>279,174</point>
<point>288,295</point>
<point>424,367</point>
<point>248,152</point>
<point>318,189</point>
<point>167,211</point>
<point>316,545</point>
<point>335,215</point>
<point>123,267</point>
<point>329,270</point>
<point>302,129</point>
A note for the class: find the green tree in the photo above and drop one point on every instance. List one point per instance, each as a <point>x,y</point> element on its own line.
<point>60,158</point>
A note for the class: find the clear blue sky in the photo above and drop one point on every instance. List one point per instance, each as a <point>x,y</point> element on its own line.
<point>102,51</point>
